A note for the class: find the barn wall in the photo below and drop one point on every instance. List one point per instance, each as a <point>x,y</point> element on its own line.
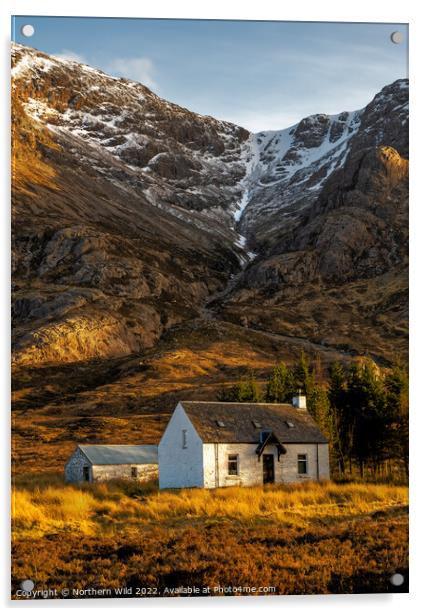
<point>74,470</point>
<point>74,467</point>
<point>106,472</point>
<point>180,467</point>
<point>251,469</point>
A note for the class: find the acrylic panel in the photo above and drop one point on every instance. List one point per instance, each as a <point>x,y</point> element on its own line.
<point>210,308</point>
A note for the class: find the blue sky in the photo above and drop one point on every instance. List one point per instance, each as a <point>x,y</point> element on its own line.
<point>261,75</point>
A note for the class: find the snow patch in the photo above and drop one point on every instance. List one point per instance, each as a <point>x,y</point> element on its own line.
<point>252,158</point>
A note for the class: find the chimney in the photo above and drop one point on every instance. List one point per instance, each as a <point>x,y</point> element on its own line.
<point>299,401</point>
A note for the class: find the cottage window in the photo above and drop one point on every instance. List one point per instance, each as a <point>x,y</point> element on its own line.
<point>233,464</point>
<point>184,439</point>
<point>86,473</point>
<point>302,463</point>
<point>134,471</point>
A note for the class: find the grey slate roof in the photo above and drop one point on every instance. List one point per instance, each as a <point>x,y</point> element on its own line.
<point>120,454</point>
<point>238,421</point>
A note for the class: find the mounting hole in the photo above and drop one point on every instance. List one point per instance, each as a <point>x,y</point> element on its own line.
<point>27,585</point>
<point>397,37</point>
<point>397,579</point>
<point>27,30</point>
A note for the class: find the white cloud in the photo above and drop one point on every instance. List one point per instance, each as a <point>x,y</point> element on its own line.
<point>68,54</point>
<point>138,69</point>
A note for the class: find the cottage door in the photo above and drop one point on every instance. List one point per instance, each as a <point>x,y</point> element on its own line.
<point>268,468</point>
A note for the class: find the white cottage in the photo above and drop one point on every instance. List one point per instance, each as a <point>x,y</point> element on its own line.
<point>105,462</point>
<point>214,444</point>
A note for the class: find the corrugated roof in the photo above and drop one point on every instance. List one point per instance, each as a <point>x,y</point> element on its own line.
<point>240,419</point>
<point>121,454</point>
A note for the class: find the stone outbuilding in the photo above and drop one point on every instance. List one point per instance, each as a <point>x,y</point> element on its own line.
<point>215,444</point>
<point>105,462</point>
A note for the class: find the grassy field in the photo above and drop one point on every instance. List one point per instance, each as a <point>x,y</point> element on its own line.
<point>309,538</point>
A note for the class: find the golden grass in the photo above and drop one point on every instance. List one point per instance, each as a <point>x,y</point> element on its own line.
<point>94,508</point>
<point>41,512</point>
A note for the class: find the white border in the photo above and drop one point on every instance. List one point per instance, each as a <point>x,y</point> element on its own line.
<point>309,10</point>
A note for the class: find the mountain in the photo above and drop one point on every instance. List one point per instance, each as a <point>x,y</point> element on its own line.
<point>332,228</point>
<point>293,166</point>
<point>122,210</point>
<point>136,220</point>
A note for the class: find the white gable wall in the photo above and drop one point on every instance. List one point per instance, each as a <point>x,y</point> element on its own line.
<point>180,467</point>
<point>74,466</point>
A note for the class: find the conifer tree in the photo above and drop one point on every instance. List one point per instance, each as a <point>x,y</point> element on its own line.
<point>280,386</point>
<point>249,390</point>
<point>396,385</point>
<point>302,375</point>
<point>338,419</point>
<point>319,407</point>
<point>365,407</point>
